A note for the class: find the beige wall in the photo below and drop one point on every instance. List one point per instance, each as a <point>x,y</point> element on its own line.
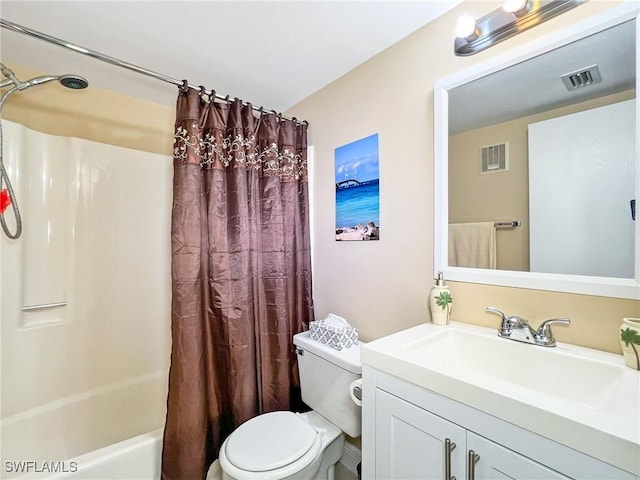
<point>478,198</point>
<point>382,287</point>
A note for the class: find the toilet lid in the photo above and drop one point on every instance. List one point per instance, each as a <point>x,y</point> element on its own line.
<point>270,441</point>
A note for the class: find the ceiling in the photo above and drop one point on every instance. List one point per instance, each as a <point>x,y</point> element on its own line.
<point>535,86</point>
<point>270,53</point>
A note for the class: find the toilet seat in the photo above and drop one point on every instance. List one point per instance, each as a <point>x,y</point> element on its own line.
<point>272,445</point>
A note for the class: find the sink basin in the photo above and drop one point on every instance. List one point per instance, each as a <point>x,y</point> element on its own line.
<point>483,357</point>
<point>579,397</point>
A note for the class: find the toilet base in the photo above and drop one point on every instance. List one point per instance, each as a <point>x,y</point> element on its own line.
<point>332,452</point>
<point>215,472</point>
<point>322,468</point>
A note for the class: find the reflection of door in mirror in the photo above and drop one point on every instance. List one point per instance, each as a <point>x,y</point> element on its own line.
<point>593,153</point>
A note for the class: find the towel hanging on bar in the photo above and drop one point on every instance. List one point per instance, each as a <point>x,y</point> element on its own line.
<point>472,245</point>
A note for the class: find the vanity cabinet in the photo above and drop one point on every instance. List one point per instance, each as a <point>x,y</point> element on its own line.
<point>412,443</point>
<point>410,432</point>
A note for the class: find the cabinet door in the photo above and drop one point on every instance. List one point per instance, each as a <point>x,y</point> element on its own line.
<point>410,442</point>
<point>496,462</point>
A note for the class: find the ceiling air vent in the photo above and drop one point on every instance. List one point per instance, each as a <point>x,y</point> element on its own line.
<point>581,78</point>
<point>495,158</point>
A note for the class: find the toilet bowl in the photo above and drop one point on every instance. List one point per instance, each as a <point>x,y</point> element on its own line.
<point>303,446</point>
<point>282,445</point>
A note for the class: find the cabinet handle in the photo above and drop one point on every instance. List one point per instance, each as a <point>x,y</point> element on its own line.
<point>472,459</point>
<point>448,448</point>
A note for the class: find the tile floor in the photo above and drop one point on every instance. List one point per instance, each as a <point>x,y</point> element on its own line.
<point>342,473</point>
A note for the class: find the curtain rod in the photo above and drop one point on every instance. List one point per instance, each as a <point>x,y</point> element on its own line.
<point>114,61</point>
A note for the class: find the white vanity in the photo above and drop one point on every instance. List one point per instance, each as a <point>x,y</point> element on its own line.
<point>512,410</point>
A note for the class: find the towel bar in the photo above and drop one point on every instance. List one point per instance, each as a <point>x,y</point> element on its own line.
<point>512,224</point>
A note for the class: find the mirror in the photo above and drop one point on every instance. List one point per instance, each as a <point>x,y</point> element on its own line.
<point>536,165</point>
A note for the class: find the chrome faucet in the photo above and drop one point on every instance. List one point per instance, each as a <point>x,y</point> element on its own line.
<point>518,329</point>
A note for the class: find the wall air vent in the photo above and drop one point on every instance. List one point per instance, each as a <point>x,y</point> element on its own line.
<point>494,158</point>
<point>581,78</point>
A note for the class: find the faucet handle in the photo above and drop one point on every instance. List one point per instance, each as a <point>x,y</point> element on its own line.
<point>499,312</point>
<point>505,326</point>
<point>544,335</point>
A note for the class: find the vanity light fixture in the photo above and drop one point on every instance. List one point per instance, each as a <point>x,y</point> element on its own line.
<point>466,28</point>
<point>517,7</point>
<point>513,17</point>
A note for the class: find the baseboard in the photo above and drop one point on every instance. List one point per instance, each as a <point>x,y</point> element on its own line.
<point>351,457</point>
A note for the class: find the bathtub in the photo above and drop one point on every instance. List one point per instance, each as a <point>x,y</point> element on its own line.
<point>137,458</point>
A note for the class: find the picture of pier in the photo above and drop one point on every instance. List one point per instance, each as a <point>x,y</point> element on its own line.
<point>358,190</point>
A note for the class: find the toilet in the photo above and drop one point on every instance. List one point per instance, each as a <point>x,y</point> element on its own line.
<point>306,446</point>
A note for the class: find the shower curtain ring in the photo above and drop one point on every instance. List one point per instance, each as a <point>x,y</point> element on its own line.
<point>259,122</point>
<point>184,88</point>
<point>203,94</point>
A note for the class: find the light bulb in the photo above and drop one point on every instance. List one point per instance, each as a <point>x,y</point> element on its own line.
<point>466,26</point>
<point>515,6</point>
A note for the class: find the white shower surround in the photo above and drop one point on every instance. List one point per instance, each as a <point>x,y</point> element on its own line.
<point>96,236</point>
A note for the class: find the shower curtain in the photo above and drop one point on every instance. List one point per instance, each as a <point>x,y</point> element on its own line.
<point>241,274</point>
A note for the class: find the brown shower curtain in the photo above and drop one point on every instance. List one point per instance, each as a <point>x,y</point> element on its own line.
<point>241,275</point>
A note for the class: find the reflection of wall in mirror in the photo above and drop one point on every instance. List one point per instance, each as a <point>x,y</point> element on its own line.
<point>502,196</point>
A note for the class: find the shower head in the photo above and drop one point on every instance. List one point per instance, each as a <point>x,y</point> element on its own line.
<point>74,82</point>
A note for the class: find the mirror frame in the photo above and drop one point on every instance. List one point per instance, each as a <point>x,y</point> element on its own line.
<point>588,285</point>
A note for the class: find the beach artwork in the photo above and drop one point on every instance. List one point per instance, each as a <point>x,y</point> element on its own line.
<point>357,190</point>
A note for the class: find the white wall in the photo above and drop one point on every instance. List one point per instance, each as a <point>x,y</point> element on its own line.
<point>97,218</point>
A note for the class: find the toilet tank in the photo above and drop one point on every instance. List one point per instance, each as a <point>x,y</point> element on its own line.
<point>325,377</point>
